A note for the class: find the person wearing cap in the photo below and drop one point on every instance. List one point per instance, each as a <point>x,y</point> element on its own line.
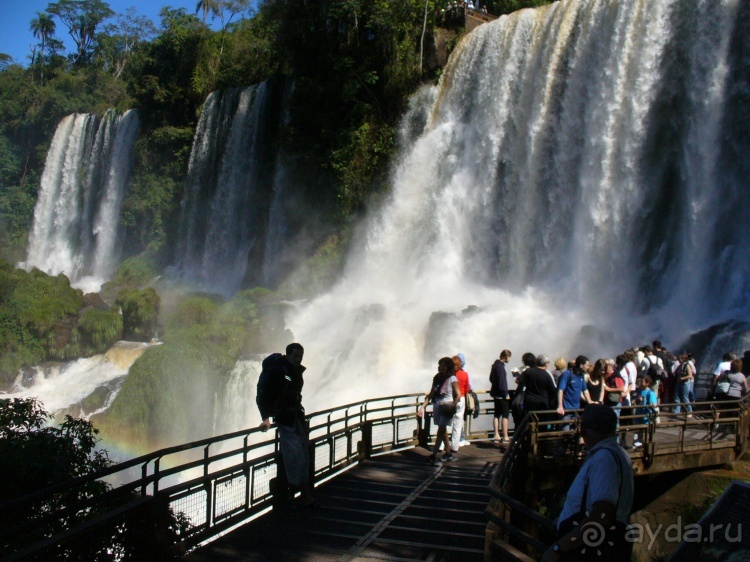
<point>593,522</point>
<point>462,357</point>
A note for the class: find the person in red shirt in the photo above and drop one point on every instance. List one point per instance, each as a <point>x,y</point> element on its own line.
<point>458,418</point>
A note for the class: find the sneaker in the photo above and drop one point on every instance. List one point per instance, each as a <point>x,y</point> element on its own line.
<point>463,443</point>
<point>448,458</point>
<point>637,444</point>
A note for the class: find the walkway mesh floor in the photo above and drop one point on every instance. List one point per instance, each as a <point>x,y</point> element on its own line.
<point>394,507</point>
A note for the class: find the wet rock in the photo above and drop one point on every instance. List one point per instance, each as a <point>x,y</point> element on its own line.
<point>439,327</point>
<point>95,300</point>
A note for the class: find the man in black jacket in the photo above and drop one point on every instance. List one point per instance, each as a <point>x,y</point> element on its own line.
<point>280,396</point>
<point>500,396</point>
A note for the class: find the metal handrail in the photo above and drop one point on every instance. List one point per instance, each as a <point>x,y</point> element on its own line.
<point>218,482</point>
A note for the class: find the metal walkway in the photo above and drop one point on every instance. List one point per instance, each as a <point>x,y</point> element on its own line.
<point>390,507</point>
<point>380,506</point>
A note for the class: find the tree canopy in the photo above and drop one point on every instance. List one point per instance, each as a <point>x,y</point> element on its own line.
<point>34,455</point>
<point>81,17</point>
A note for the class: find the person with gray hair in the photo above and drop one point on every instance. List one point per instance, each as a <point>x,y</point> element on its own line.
<point>600,498</point>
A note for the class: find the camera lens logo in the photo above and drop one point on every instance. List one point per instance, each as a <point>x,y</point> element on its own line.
<point>593,535</point>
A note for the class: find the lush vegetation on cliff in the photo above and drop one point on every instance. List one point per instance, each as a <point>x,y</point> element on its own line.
<point>170,393</point>
<point>43,318</point>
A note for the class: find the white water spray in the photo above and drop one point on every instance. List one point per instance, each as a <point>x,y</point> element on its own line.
<point>567,177</point>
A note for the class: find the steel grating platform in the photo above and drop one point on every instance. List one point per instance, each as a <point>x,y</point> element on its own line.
<point>393,507</point>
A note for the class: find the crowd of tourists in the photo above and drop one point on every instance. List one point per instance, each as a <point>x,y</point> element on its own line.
<point>645,378</point>
<point>455,10</point>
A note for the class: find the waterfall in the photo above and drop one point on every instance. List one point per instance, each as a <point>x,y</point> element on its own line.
<point>225,209</point>
<point>238,409</point>
<point>582,164</point>
<point>76,218</point>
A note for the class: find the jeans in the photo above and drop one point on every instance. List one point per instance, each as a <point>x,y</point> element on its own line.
<point>568,426</point>
<point>682,394</point>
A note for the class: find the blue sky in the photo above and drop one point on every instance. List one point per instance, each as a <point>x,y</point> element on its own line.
<point>16,39</point>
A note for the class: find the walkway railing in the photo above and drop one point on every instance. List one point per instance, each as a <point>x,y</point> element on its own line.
<point>209,485</point>
<point>546,453</point>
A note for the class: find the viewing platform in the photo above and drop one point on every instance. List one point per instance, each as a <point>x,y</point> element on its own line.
<point>381,499</point>
<point>391,507</point>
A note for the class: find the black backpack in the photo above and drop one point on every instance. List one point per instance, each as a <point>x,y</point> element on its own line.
<point>682,370</point>
<point>655,372</point>
<point>262,392</point>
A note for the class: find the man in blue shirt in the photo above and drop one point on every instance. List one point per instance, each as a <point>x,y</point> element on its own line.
<point>571,386</point>
<point>600,499</point>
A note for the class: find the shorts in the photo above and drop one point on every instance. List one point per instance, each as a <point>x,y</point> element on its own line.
<point>438,418</point>
<point>294,449</point>
<point>502,408</point>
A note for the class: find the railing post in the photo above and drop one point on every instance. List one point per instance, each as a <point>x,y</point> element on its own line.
<point>534,434</point>
<point>279,485</point>
<point>156,475</point>
<point>364,447</point>
<point>424,430</point>
<point>743,426</point>
<point>207,486</point>
<point>649,445</point>
<point>144,479</point>
<point>311,454</point>
<point>248,475</point>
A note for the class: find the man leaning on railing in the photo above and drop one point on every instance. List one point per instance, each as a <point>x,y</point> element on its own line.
<point>279,395</point>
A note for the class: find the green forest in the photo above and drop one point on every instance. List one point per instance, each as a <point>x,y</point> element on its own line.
<point>354,64</point>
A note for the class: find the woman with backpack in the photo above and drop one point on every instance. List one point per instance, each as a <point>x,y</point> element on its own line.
<point>730,385</point>
<point>444,396</point>
<point>615,389</point>
<point>684,380</point>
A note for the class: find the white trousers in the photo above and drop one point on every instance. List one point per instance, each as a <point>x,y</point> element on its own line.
<point>457,424</point>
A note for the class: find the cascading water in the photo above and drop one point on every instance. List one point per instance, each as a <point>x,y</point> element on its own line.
<point>76,219</point>
<point>583,164</point>
<point>225,207</point>
<point>238,409</point>
<point>253,209</point>
<point>85,386</point>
